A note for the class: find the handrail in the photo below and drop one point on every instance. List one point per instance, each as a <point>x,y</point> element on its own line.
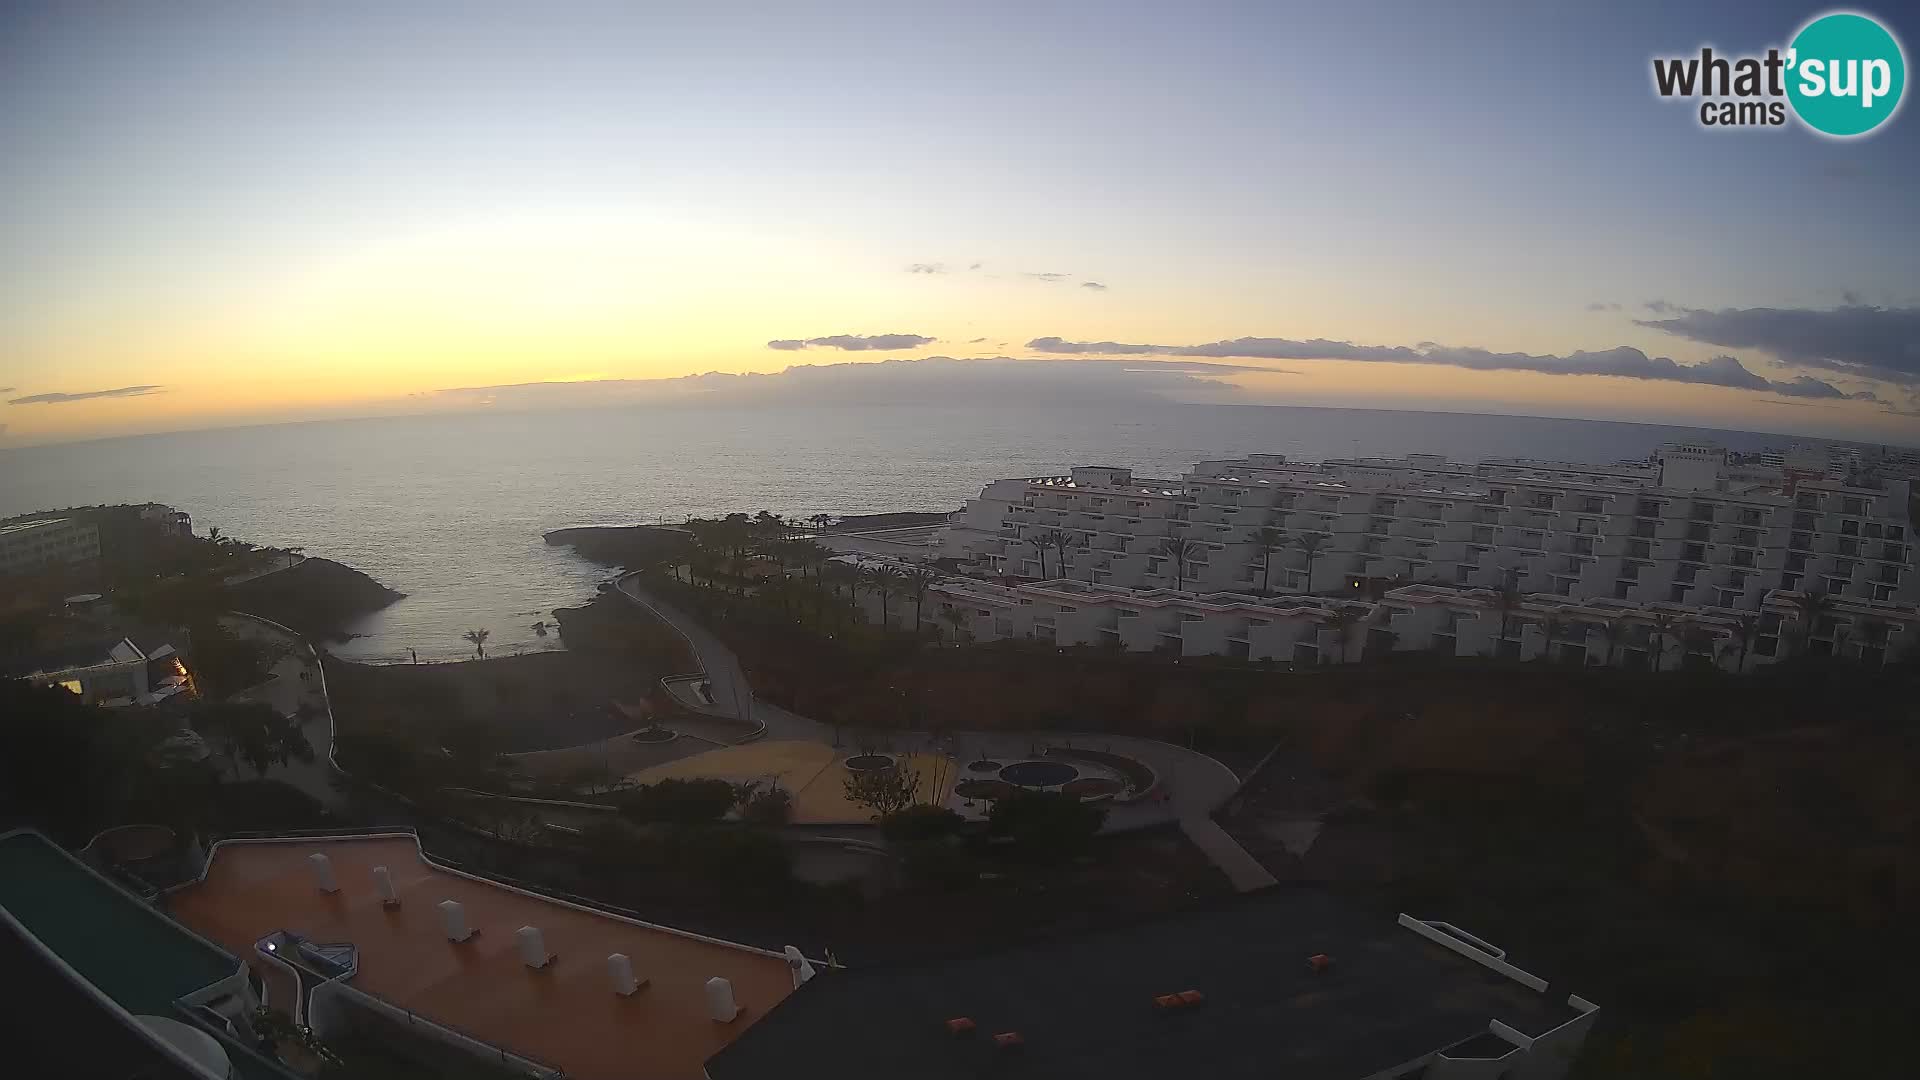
<point>375,1003</point>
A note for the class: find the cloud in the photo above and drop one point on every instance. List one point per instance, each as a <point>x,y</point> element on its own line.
<point>1047,277</point>
<point>6,389</point>
<point>976,341</point>
<point>853,342</point>
<point>927,268</point>
<point>1093,285</point>
<point>983,381</point>
<point>1620,363</point>
<point>1857,339</point>
<point>84,395</point>
<point>1601,305</point>
<point>976,266</point>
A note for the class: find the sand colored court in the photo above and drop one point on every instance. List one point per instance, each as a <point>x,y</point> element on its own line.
<point>814,772</point>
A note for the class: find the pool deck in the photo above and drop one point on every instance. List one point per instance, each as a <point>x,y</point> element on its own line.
<point>565,1013</point>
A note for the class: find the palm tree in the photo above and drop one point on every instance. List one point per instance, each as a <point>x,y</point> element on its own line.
<point>1553,626</point>
<point>1310,543</point>
<point>291,552</point>
<point>955,619</point>
<point>479,640</point>
<point>1063,542</point>
<point>915,583</point>
<point>1180,551</point>
<point>1746,629</point>
<point>1342,623</point>
<point>1507,600</point>
<point>213,533</point>
<point>1663,630</point>
<point>820,522</point>
<point>1611,631</point>
<point>1048,538</point>
<point>883,579</point>
<point>1268,540</point>
<point>1809,607</point>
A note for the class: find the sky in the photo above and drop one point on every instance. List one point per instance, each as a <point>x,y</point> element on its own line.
<point>224,213</point>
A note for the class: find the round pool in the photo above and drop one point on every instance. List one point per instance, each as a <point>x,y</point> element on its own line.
<point>983,766</point>
<point>983,789</point>
<point>868,762</point>
<point>1039,773</point>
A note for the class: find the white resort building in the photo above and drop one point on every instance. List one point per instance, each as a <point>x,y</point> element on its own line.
<point>1689,557</point>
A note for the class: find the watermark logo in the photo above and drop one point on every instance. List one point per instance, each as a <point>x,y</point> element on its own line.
<point>1843,74</point>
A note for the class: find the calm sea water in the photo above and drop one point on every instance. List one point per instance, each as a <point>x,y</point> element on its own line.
<point>450,509</point>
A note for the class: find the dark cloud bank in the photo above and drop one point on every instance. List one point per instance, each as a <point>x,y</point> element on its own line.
<point>1854,339</point>
<point>853,342</point>
<point>1622,362</point>
<point>941,379</point>
<point>83,395</point>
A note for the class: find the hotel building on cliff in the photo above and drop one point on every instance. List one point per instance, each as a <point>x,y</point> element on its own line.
<point>1691,557</point>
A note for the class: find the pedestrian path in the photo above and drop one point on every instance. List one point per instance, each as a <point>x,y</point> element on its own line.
<point>1242,869</point>
<point>1192,784</point>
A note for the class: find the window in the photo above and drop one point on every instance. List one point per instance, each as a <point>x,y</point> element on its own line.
<point>1630,571</point>
<point>1803,522</point>
<point>1807,500</point>
<point>1640,549</point>
<point>1849,528</point>
<point>1694,553</point>
<point>1699,532</point>
<point>1845,567</point>
<point>1852,505</point>
<point>1647,508</point>
<point>1592,506</point>
<point>1835,584</point>
<point>1620,590</point>
<point>1790,581</point>
<point>1678,594</point>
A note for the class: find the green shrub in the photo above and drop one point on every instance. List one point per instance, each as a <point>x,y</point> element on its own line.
<point>1046,825</point>
<point>682,802</point>
<point>770,807</point>
<point>730,857</point>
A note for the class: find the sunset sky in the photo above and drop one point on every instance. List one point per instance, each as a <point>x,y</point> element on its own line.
<point>243,213</point>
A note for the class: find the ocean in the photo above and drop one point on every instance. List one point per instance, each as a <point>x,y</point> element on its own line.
<point>450,508</point>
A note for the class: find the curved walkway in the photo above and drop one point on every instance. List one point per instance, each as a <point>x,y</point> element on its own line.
<point>1194,785</point>
<point>286,691</point>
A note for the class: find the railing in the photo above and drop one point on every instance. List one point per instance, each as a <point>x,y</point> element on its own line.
<point>326,1012</point>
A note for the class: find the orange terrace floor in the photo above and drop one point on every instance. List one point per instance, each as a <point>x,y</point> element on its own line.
<point>565,1014</point>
